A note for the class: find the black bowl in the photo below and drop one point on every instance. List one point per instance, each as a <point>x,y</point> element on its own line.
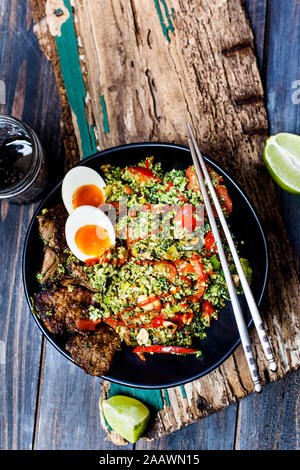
<point>165,370</point>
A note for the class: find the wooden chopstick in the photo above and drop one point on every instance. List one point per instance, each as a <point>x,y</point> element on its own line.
<point>263,337</point>
<point>243,332</point>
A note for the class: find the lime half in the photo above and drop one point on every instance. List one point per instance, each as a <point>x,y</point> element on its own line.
<point>282,158</point>
<point>127,416</point>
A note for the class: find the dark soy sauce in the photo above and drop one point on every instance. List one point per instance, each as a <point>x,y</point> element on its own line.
<point>16,156</point>
<point>23,165</point>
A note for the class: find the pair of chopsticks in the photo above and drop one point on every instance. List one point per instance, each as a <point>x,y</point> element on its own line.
<point>201,171</point>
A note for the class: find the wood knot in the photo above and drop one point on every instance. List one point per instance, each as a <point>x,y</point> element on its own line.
<point>204,407</point>
<point>244,48</point>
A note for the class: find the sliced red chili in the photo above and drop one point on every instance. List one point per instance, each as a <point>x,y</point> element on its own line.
<point>201,278</point>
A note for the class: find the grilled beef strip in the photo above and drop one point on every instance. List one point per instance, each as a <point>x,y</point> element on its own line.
<point>94,352</point>
<point>62,307</point>
<point>52,231</point>
<point>77,272</point>
<point>52,227</point>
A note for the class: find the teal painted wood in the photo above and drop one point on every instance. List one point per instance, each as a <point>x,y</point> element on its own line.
<point>163,11</point>
<point>104,111</point>
<point>67,48</point>
<point>152,398</point>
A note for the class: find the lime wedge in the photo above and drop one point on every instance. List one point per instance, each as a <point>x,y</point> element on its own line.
<point>127,416</point>
<point>282,159</point>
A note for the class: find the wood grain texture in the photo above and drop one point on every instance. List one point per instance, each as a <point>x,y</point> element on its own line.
<point>282,72</point>
<point>67,415</point>
<point>32,98</point>
<point>165,63</point>
<point>18,383</point>
<point>215,432</point>
<point>262,423</point>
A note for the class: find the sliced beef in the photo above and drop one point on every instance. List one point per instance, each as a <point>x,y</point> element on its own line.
<point>52,230</point>
<point>52,227</point>
<point>50,265</point>
<point>80,277</point>
<point>94,351</point>
<point>62,307</point>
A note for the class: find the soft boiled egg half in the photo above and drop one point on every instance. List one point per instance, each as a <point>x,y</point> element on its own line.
<point>89,232</point>
<point>82,186</point>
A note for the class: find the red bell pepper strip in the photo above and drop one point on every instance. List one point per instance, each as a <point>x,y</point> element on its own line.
<point>159,348</point>
<point>207,308</point>
<point>210,243</point>
<point>201,278</point>
<point>225,201</point>
<point>185,218</point>
<point>144,175</point>
<point>87,324</point>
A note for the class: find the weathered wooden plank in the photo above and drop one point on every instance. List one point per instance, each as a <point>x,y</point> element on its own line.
<point>165,63</point>
<point>257,11</point>
<point>20,340</point>
<point>215,432</point>
<point>24,72</point>
<point>68,416</point>
<point>283,94</point>
<point>270,421</point>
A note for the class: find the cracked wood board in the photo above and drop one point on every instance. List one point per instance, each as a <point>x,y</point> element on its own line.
<point>132,71</point>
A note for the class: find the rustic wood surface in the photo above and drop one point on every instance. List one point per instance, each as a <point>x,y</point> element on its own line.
<point>34,414</point>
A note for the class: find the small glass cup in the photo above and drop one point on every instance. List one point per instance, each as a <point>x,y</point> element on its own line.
<point>23,166</point>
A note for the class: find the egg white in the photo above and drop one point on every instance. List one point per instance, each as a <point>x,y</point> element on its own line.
<point>76,177</point>
<point>86,215</point>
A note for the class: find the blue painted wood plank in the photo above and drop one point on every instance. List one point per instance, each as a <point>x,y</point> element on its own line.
<point>269,421</point>
<point>68,415</point>
<point>283,94</point>
<point>257,10</point>
<point>30,95</point>
<point>215,432</point>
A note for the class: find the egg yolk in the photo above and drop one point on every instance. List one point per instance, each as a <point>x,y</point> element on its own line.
<point>92,240</point>
<point>87,195</point>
